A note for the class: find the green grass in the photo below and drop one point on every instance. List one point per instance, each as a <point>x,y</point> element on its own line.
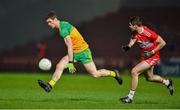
<point>82,91</point>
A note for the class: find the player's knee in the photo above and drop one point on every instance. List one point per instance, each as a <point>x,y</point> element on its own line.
<point>149,78</point>
<point>134,72</point>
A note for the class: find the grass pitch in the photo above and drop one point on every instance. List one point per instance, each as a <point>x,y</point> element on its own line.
<point>19,91</point>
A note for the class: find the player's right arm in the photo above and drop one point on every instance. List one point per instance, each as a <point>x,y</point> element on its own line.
<point>130,44</point>
<point>69,44</point>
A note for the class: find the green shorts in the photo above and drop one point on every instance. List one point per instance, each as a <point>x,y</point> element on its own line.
<point>83,57</point>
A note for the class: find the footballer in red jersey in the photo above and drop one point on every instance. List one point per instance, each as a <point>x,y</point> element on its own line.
<point>146,39</point>
<point>149,43</point>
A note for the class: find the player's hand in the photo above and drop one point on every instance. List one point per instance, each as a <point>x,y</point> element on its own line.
<point>125,48</point>
<point>149,54</point>
<point>71,67</point>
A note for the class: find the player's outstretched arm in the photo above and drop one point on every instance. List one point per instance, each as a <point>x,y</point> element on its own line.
<point>128,47</point>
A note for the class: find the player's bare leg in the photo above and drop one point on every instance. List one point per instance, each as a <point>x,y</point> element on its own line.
<point>56,76</point>
<point>150,76</point>
<point>91,68</point>
<point>60,68</point>
<point>138,69</point>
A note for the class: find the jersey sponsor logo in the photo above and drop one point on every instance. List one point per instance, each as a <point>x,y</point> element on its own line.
<point>143,44</point>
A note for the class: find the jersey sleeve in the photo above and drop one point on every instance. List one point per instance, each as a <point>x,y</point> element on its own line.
<point>64,33</point>
<point>153,36</point>
<point>65,29</point>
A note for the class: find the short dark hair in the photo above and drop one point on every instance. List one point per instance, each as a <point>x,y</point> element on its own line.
<point>51,15</point>
<point>135,20</point>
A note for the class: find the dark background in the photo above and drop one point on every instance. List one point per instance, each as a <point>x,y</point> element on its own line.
<point>103,23</point>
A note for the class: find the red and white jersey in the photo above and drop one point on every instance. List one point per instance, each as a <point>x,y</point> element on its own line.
<point>146,40</point>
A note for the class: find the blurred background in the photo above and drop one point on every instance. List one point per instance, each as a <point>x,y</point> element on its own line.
<point>25,36</point>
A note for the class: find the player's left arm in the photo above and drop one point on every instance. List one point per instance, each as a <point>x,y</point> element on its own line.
<point>161,43</point>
